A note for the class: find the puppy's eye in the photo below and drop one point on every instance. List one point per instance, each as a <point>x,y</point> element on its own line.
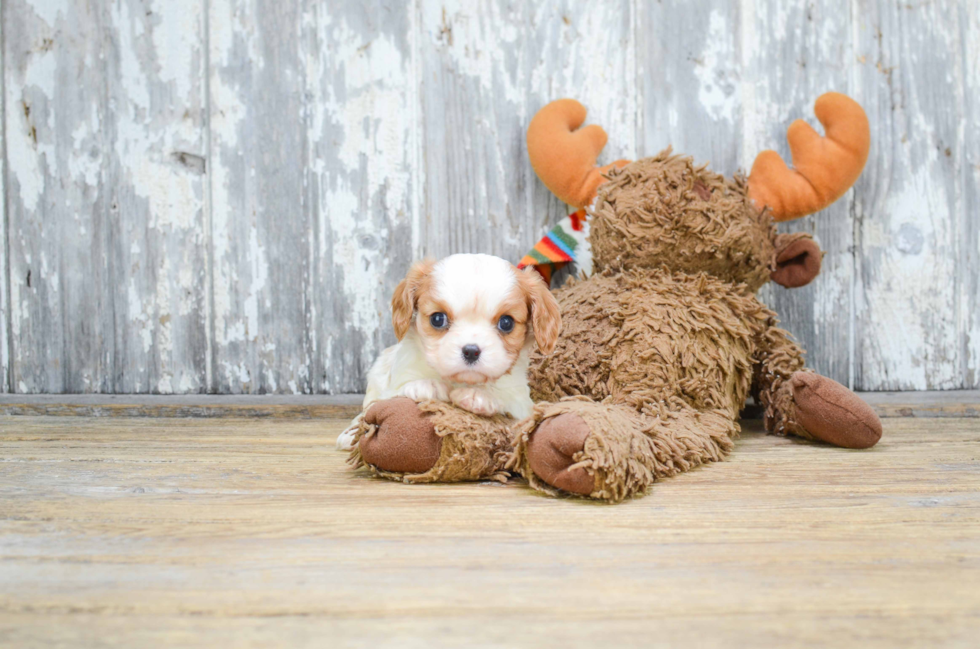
<point>505,324</point>
<point>439,320</point>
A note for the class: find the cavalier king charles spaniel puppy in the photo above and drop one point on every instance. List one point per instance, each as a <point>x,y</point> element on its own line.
<point>465,326</point>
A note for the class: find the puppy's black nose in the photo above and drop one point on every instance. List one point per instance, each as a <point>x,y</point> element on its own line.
<point>471,353</point>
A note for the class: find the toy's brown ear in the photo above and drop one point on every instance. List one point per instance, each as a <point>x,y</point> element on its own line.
<point>405,297</point>
<point>797,261</point>
<point>545,313</point>
<point>564,155</point>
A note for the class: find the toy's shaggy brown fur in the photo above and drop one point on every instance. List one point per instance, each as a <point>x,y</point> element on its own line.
<point>665,212</point>
<point>470,447</point>
<point>626,450</point>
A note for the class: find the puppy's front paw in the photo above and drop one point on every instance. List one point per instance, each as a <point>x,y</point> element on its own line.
<point>477,401</point>
<point>426,390</point>
<point>345,441</point>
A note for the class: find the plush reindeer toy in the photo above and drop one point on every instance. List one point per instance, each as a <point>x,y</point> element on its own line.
<point>664,341</point>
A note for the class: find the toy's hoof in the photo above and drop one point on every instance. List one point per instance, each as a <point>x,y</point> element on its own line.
<point>832,413</point>
<point>551,449</point>
<point>405,441</point>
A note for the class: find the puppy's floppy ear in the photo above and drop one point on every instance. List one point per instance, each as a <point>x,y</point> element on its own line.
<point>545,314</point>
<point>406,295</point>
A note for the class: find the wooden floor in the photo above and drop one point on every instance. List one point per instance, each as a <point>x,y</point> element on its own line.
<point>234,532</point>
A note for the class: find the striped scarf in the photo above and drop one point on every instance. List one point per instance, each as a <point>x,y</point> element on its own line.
<point>566,243</point>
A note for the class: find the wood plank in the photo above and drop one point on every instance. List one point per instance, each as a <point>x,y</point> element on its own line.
<point>155,179</point>
<point>926,404</point>
<point>751,629</point>
<point>473,58</point>
<point>968,162</point>
<point>486,69</point>
<point>62,325</point>
<point>690,67</point>
<point>126,405</point>
<point>793,53</point>
<point>261,230</point>
<point>4,242</point>
<point>107,193</point>
<point>910,330</point>
<point>586,51</point>
<point>123,532</point>
<point>364,180</point>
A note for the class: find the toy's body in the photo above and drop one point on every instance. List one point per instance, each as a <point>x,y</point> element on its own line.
<point>662,345</point>
<point>666,340</point>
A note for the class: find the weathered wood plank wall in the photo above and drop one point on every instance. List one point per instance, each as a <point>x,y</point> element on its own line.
<point>220,195</point>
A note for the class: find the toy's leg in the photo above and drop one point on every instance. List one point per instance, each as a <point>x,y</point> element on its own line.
<point>611,452</point>
<point>431,441</point>
<point>803,403</point>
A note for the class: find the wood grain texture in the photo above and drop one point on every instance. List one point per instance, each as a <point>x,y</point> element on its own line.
<point>241,532</point>
<point>812,44</point>
<point>106,195</point>
<point>968,161</point>
<point>314,198</point>
<point>690,72</point>
<point>263,286</point>
<point>364,176</point>
<point>910,329</point>
<point>220,196</point>
<point>586,51</point>
<point>946,403</point>
<point>155,181</point>
<point>486,69</point>
<point>473,61</point>
<point>5,347</point>
<point>277,406</point>
<point>61,319</point>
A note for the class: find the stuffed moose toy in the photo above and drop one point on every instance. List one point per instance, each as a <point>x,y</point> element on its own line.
<point>663,342</point>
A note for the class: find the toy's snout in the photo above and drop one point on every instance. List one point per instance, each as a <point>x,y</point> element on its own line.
<point>796,261</point>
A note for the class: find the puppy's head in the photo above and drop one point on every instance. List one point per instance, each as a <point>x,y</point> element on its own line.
<point>475,314</point>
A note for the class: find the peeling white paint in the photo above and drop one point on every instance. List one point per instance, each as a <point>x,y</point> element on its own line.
<point>175,55</point>
<point>134,77</point>
<point>139,317</point>
<point>370,170</point>
<point>912,317</point>
<point>411,132</point>
<point>717,71</point>
<point>24,154</point>
<point>165,384</point>
<point>478,43</point>
<point>260,274</point>
<point>752,130</point>
<point>51,10</point>
<point>5,359</point>
<point>188,385</point>
<point>228,115</point>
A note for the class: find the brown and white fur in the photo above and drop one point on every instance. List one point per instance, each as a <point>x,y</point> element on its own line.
<point>477,294</point>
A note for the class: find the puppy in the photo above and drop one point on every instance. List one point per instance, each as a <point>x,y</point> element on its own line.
<point>465,327</point>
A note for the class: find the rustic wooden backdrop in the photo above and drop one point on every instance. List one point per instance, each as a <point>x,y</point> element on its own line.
<point>220,195</point>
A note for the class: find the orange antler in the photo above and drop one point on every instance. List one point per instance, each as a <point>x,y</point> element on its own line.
<point>824,167</point>
<point>563,157</point>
